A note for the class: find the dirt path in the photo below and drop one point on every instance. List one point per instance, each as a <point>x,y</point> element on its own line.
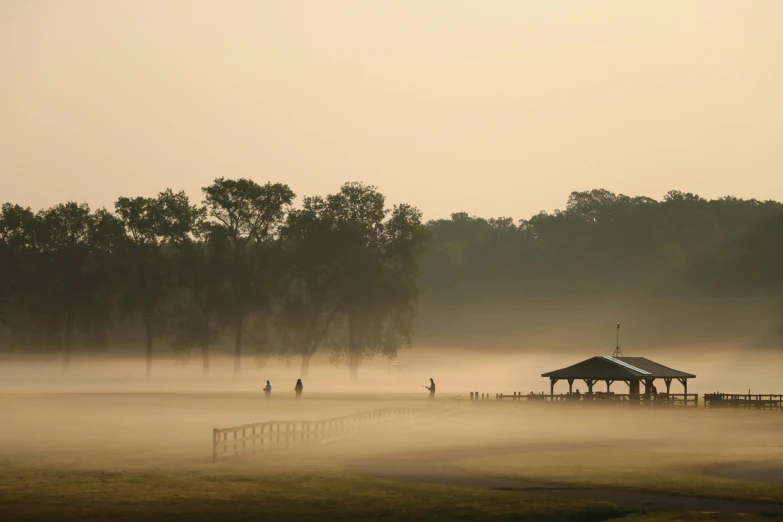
<point>435,468</point>
<point>756,471</point>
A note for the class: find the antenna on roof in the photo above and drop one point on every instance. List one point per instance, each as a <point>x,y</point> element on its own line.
<point>617,351</point>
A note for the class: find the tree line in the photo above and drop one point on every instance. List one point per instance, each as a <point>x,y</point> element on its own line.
<point>607,244</point>
<point>344,273</point>
<point>338,273</point>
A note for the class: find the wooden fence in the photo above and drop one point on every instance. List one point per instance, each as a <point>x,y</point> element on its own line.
<point>616,399</point>
<point>274,435</point>
<point>743,401</point>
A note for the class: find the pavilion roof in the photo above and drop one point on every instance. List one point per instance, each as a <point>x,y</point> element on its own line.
<point>617,368</point>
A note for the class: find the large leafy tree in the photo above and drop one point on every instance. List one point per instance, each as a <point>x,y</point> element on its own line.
<point>18,256</point>
<point>244,222</point>
<point>75,249</point>
<point>378,268</point>
<point>309,299</point>
<point>203,299</point>
<point>151,223</point>
<point>196,275</point>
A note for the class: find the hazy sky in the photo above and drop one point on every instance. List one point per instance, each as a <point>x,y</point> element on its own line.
<point>494,107</point>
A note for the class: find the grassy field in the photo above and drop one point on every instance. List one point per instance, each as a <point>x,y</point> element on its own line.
<point>693,517</point>
<point>146,456</point>
<point>58,493</point>
<point>656,468</point>
<point>243,493</point>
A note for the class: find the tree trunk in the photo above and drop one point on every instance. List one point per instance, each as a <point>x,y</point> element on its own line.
<point>238,324</point>
<point>149,337</point>
<point>205,359</point>
<point>304,369</point>
<point>69,322</point>
<point>206,345</point>
<point>354,348</point>
<point>353,369</point>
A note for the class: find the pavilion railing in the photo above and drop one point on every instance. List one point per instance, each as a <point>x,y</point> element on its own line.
<point>743,401</point>
<point>600,398</point>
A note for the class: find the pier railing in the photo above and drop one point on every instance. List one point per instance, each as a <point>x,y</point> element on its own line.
<point>744,401</point>
<point>275,435</point>
<point>598,398</point>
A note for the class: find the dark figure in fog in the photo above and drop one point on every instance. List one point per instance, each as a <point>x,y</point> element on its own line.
<point>577,392</point>
<point>298,389</point>
<point>268,389</point>
<point>431,388</point>
<point>653,390</point>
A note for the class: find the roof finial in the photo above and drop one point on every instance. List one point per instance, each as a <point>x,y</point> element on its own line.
<point>617,351</point>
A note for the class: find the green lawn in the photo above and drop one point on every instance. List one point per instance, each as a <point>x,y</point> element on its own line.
<point>58,493</point>
<point>668,470</point>
<point>693,517</point>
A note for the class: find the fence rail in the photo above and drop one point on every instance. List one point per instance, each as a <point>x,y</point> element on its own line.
<point>273,435</point>
<point>744,401</point>
<point>616,399</point>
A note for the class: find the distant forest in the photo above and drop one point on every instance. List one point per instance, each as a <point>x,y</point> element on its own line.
<point>248,271</point>
<point>603,243</point>
<point>680,270</point>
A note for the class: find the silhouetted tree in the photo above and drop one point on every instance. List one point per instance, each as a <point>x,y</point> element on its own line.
<point>18,255</point>
<point>150,224</point>
<point>378,266</point>
<point>245,218</point>
<point>309,306</point>
<point>74,248</point>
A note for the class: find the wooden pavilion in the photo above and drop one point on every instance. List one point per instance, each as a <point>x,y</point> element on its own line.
<point>633,371</point>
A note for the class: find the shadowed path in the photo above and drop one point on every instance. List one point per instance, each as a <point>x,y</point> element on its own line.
<point>435,468</point>
<point>771,471</point>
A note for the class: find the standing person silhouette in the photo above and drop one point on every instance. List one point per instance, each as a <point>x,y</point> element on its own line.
<point>431,388</point>
<point>268,389</point>
<point>298,389</point>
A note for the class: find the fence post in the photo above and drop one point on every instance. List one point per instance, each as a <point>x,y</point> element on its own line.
<point>309,431</point>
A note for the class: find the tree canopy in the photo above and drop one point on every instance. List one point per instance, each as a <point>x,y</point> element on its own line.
<point>344,273</point>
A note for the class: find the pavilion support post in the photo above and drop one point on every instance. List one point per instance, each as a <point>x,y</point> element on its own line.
<point>668,381</point>
<point>609,385</point>
<point>684,382</point>
<point>590,383</point>
<point>552,382</point>
<point>570,386</point>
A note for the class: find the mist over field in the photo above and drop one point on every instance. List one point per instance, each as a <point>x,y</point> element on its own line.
<point>718,367</point>
<point>308,261</point>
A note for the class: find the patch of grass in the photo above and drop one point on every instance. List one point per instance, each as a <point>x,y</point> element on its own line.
<point>44,493</point>
<point>692,517</point>
<point>671,471</point>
